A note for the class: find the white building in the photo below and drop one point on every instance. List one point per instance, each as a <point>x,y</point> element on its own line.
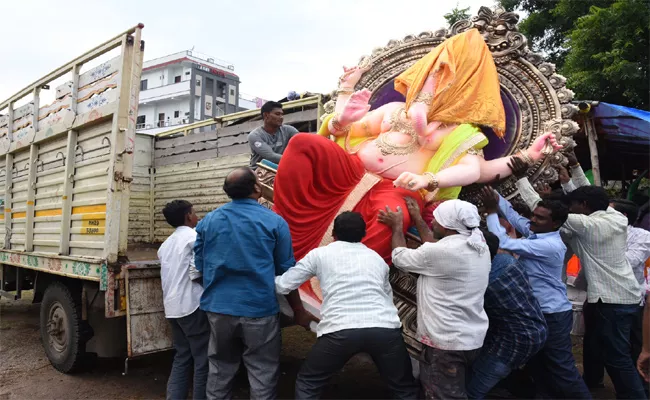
<point>182,88</point>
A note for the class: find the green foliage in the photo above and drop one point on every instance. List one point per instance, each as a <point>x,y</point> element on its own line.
<point>609,60</point>
<point>457,14</point>
<point>600,46</point>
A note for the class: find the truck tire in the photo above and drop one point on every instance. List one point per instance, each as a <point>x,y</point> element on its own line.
<point>62,332</point>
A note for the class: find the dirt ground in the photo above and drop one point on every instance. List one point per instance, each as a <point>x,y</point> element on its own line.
<point>25,372</point>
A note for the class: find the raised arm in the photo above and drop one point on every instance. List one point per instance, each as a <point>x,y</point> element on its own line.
<point>521,224</point>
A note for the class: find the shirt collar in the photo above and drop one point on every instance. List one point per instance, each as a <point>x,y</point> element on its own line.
<point>184,228</point>
<point>544,235</point>
<point>245,201</point>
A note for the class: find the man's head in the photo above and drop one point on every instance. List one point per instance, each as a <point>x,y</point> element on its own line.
<point>548,216</point>
<point>492,241</point>
<point>241,183</point>
<point>180,213</point>
<point>587,200</point>
<point>272,114</point>
<point>627,208</point>
<point>349,227</point>
<point>452,217</point>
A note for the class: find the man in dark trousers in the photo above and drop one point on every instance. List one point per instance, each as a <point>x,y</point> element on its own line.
<point>239,249</point>
<point>269,141</point>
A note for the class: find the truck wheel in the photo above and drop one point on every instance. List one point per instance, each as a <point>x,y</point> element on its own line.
<point>61,328</point>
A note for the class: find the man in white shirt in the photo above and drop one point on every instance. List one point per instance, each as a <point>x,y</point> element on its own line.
<point>181,298</point>
<point>597,234</point>
<point>451,321</point>
<point>357,314</point>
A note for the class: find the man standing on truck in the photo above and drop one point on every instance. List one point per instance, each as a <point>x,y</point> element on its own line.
<point>181,298</point>
<point>240,248</point>
<point>269,141</point>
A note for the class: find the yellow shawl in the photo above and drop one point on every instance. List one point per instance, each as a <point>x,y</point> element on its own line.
<point>467,84</point>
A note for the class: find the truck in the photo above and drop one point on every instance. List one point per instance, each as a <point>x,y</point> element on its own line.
<point>83,194</point>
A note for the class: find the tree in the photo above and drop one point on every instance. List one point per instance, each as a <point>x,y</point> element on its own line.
<point>600,46</point>
<point>457,14</point>
<point>549,22</point>
<point>609,54</point>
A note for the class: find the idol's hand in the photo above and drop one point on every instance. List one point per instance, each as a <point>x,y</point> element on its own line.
<point>411,181</point>
<point>351,77</point>
<point>356,107</point>
<point>539,148</point>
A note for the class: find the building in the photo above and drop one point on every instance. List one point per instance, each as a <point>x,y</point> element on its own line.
<point>182,88</point>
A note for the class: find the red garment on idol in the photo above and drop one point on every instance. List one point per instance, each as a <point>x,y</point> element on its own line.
<point>314,178</point>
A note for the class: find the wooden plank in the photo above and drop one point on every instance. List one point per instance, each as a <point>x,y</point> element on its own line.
<point>232,150</point>
<point>301,116</point>
<point>54,107</point>
<point>3,120</point>
<point>182,158</point>
<point>85,93</point>
<point>99,72</point>
<point>187,148</point>
<point>63,90</point>
<point>27,109</point>
<point>31,192</point>
<point>97,101</point>
<point>232,140</point>
<point>9,165</point>
<point>66,207</point>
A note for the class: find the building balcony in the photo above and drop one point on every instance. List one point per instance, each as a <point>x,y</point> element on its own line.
<point>165,92</point>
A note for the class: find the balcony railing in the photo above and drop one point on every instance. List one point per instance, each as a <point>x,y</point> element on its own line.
<point>162,124</point>
<point>163,92</point>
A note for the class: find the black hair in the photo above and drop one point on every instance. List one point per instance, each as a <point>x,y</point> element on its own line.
<point>559,210</point>
<point>176,211</point>
<point>241,186</point>
<point>628,208</point>
<point>269,106</point>
<point>521,208</point>
<point>595,197</point>
<point>492,242</point>
<point>558,195</point>
<point>349,227</point>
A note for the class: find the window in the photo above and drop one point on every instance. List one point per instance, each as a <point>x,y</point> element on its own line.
<point>198,82</point>
<point>177,79</point>
<point>142,119</point>
<point>143,84</point>
<point>187,72</point>
<point>177,114</point>
<point>232,92</point>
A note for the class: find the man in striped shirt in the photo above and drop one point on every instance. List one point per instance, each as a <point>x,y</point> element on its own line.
<point>597,234</point>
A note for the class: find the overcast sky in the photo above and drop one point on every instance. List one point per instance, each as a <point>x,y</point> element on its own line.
<point>275,45</point>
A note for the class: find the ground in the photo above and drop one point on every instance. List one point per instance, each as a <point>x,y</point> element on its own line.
<point>26,373</point>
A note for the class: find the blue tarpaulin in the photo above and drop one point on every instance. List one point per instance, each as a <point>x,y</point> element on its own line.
<point>622,124</point>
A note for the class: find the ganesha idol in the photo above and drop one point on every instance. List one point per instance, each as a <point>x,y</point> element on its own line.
<point>427,148</point>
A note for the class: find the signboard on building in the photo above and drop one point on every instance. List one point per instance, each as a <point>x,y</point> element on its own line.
<point>210,70</point>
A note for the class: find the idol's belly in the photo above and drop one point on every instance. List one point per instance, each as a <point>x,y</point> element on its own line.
<point>392,165</point>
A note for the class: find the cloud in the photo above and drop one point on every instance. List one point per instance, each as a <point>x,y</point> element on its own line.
<point>276,46</point>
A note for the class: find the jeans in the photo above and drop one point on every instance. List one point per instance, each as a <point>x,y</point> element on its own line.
<point>610,331</point>
<point>190,335</point>
<point>255,340</point>
<point>330,353</point>
<point>485,373</point>
<point>443,372</point>
<point>553,367</point>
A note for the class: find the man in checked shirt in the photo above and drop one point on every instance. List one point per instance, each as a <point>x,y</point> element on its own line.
<point>517,327</point>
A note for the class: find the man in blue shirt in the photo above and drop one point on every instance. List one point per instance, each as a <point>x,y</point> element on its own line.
<point>541,252</point>
<point>517,326</point>
<point>239,249</point>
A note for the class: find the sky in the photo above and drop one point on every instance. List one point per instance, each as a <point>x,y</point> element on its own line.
<point>276,46</point>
